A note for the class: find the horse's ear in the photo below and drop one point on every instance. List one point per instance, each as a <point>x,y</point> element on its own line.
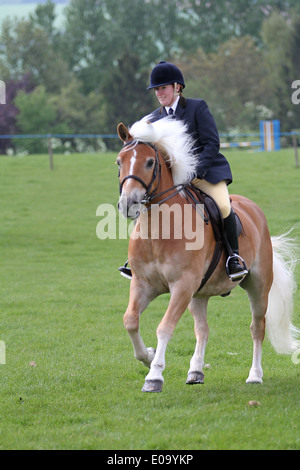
<point>123,132</point>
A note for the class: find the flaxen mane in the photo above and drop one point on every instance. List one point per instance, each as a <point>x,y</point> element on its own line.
<point>173,141</point>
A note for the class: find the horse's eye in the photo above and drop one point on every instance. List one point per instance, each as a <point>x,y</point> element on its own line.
<point>118,162</point>
<point>149,163</point>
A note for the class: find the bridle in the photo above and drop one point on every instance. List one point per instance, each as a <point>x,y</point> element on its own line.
<point>156,171</point>
<point>151,195</point>
<point>187,189</point>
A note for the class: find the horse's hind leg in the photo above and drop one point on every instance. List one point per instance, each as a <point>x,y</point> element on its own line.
<point>258,334</point>
<point>198,308</point>
<point>259,303</point>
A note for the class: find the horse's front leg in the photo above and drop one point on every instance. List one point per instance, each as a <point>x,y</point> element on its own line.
<point>180,298</point>
<point>140,296</point>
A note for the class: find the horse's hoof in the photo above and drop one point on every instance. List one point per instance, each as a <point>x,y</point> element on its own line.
<point>195,377</point>
<point>154,386</point>
<point>254,380</point>
<point>255,376</point>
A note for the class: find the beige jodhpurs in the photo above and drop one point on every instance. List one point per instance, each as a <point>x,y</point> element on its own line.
<point>219,192</point>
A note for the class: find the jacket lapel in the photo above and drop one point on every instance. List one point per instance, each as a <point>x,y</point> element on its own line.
<point>162,113</point>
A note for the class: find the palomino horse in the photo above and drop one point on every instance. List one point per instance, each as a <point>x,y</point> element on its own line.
<point>155,163</point>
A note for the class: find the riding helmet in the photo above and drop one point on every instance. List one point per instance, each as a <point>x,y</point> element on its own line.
<point>165,73</point>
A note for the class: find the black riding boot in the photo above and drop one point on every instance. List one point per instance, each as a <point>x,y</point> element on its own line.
<point>234,269</point>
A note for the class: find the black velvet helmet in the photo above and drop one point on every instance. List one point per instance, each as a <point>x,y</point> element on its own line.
<point>165,73</point>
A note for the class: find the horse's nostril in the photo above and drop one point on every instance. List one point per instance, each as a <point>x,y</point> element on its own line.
<point>129,208</point>
<point>133,210</point>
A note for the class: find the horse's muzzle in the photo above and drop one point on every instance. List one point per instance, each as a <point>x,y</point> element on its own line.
<point>129,208</point>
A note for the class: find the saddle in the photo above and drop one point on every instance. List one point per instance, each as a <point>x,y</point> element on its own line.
<point>213,215</point>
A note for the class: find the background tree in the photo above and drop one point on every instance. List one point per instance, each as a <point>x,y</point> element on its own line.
<point>44,16</point>
<point>81,114</point>
<point>37,115</point>
<point>125,92</point>
<point>213,23</point>
<point>240,55</point>
<point>10,111</point>
<point>281,52</point>
<point>27,49</point>
<point>229,79</point>
<point>97,33</point>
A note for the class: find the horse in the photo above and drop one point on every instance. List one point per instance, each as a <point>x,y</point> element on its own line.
<point>155,165</point>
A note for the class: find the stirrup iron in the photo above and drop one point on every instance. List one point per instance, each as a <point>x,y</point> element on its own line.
<point>126,272</point>
<point>238,276</point>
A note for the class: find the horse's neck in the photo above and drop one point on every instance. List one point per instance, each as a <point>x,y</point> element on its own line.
<point>166,180</point>
<point>155,224</point>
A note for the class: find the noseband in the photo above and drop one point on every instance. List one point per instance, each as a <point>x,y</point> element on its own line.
<point>156,172</point>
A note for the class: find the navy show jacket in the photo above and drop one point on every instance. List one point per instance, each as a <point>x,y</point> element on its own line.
<point>212,165</point>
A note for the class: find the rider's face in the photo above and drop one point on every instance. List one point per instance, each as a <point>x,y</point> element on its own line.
<point>165,95</point>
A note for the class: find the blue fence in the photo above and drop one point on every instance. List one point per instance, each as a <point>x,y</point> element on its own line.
<point>263,143</point>
<point>250,140</point>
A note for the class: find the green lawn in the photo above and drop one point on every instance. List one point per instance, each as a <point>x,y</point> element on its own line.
<point>70,380</point>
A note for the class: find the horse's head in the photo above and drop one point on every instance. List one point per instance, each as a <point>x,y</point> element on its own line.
<point>139,167</point>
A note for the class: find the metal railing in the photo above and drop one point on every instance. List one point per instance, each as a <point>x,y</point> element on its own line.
<point>231,144</point>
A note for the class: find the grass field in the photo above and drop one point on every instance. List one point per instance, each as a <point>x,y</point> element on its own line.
<point>70,380</point>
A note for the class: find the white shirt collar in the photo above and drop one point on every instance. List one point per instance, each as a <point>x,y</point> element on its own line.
<point>174,105</point>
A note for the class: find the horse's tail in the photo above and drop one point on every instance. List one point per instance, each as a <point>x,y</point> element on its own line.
<point>284,336</point>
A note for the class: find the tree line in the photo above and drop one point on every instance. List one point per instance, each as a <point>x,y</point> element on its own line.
<point>241,56</point>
